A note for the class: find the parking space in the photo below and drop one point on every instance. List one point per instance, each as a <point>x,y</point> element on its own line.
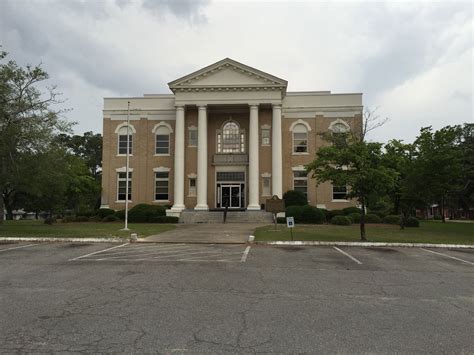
<point>202,298</point>
<point>169,252</point>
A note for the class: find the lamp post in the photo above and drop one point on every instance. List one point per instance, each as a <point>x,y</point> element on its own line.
<point>127,168</point>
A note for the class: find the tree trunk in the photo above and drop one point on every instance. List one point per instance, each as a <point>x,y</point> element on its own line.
<point>362,222</point>
<point>402,220</point>
<point>442,210</point>
<point>1,206</point>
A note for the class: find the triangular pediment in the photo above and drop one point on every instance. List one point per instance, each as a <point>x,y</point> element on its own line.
<point>227,73</point>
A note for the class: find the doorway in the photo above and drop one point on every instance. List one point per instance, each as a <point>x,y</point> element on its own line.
<point>231,196</point>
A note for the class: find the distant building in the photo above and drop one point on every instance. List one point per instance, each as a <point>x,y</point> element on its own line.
<point>229,134</point>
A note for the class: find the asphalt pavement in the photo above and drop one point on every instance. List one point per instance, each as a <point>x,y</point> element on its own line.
<point>181,298</point>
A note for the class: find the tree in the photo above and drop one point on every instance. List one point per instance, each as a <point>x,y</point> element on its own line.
<point>28,121</point>
<point>357,165</point>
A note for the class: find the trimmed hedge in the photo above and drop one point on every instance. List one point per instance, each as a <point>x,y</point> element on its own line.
<point>281,220</point>
<point>143,213</point>
<point>120,214</point>
<point>326,214</point>
<point>104,212</point>
<point>372,218</point>
<point>411,222</point>
<point>295,212</point>
<point>349,210</point>
<point>313,215</point>
<point>294,198</point>
<point>392,219</point>
<point>333,213</point>
<point>355,217</point>
<point>164,219</point>
<point>341,220</point>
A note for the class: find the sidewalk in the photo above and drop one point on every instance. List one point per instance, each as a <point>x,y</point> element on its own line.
<point>206,233</point>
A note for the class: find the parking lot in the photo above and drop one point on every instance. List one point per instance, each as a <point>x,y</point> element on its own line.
<point>79,297</point>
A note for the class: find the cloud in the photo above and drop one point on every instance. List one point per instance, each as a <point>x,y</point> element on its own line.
<point>414,60</point>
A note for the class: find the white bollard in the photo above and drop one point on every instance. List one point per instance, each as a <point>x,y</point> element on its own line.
<point>133,237</point>
<point>251,238</point>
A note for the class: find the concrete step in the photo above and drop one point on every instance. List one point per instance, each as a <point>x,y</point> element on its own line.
<point>190,216</point>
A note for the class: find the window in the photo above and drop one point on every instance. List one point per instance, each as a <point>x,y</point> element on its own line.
<point>161,186</point>
<point>122,186</point>
<point>266,186</point>
<point>193,137</point>
<point>231,139</point>
<point>265,136</point>
<point>192,187</point>
<point>300,181</point>
<point>122,142</point>
<point>300,139</point>
<point>339,192</point>
<point>339,127</point>
<point>162,145</point>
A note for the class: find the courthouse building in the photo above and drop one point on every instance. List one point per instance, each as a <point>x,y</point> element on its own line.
<point>227,135</point>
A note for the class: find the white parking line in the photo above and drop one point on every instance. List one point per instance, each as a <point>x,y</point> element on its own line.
<point>144,253</point>
<point>448,256</point>
<point>23,246</point>
<point>348,255</point>
<point>245,254</point>
<point>180,255</point>
<point>132,251</point>
<point>97,252</point>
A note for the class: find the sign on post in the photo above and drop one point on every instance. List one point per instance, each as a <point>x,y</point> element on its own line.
<point>290,223</point>
<point>275,205</point>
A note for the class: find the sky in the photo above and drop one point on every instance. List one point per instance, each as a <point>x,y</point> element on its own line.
<point>413,61</point>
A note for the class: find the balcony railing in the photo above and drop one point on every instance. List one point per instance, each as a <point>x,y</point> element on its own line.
<point>230,159</point>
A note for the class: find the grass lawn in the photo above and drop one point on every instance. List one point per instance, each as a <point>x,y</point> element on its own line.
<point>79,230</point>
<point>428,232</point>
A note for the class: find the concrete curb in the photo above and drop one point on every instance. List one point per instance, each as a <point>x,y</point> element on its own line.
<point>71,240</point>
<point>368,244</point>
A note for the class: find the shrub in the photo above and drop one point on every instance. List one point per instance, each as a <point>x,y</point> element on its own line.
<point>87,212</point>
<point>110,218</point>
<point>437,217</point>
<point>311,214</point>
<point>294,211</point>
<point>333,213</point>
<point>355,217</point>
<point>95,219</point>
<point>143,213</point>
<point>295,198</point>
<point>68,219</point>
<point>104,212</point>
<point>49,220</point>
<point>326,214</point>
<point>82,219</point>
<point>349,210</point>
<point>411,222</point>
<point>392,219</point>
<point>341,220</point>
<point>164,219</point>
<point>372,218</point>
<point>281,220</point>
<point>120,214</point>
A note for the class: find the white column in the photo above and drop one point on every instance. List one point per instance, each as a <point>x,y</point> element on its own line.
<point>253,160</point>
<point>179,161</point>
<point>277,166</point>
<point>202,160</point>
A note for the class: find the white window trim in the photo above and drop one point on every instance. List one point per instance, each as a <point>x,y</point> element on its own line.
<point>123,170</point>
<point>267,176</point>
<point>161,169</point>
<point>118,145</point>
<point>170,131</point>
<point>300,121</point>
<point>300,168</point>
<point>220,132</point>
<point>269,128</point>
<point>338,199</point>
<point>192,128</point>
<point>308,129</point>
<point>192,176</point>
<point>124,124</point>
<point>339,121</point>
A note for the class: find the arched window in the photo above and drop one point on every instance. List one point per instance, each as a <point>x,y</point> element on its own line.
<point>300,139</point>
<point>122,132</point>
<point>162,133</point>
<point>231,139</point>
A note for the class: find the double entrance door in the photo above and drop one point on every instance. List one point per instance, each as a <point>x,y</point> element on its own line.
<point>231,196</point>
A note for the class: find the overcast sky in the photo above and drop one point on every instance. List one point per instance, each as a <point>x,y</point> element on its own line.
<point>411,59</point>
